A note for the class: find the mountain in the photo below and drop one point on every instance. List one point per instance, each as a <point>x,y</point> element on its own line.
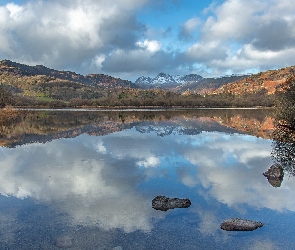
<point>25,85</point>
<point>8,67</point>
<point>207,85</point>
<point>183,83</point>
<point>268,81</point>
<point>166,81</point>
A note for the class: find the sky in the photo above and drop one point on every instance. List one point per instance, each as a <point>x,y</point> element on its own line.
<point>133,38</point>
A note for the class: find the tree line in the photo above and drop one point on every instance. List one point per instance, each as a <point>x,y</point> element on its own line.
<point>134,98</point>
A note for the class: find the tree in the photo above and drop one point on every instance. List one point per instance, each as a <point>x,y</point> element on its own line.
<point>283,150</point>
<point>5,97</point>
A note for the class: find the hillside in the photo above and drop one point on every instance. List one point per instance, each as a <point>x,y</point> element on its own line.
<point>38,86</point>
<point>268,81</point>
<point>43,83</point>
<point>207,85</point>
<point>99,80</point>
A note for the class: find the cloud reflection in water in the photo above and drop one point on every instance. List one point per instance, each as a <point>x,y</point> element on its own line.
<point>96,179</point>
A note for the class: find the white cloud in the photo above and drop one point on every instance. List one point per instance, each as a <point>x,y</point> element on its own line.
<point>251,53</point>
<point>248,57</point>
<point>98,37</point>
<point>68,33</point>
<point>151,46</point>
<point>77,179</point>
<point>191,24</point>
<point>265,244</point>
<point>206,52</point>
<point>5,43</point>
<point>234,175</point>
<point>92,178</point>
<point>233,19</point>
<point>243,35</point>
<point>151,161</point>
<point>14,9</point>
<point>97,62</point>
<point>209,223</point>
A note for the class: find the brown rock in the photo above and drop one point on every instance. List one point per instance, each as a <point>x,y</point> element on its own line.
<point>164,203</point>
<point>238,224</point>
<point>275,175</point>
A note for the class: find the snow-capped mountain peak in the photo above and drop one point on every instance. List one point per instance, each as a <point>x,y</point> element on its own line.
<point>164,80</point>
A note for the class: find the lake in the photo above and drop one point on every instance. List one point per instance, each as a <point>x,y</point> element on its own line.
<point>86,180</point>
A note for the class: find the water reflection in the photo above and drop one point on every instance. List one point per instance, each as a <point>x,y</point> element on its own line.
<point>284,134</point>
<point>20,128</point>
<point>275,175</point>
<point>79,178</point>
<point>98,189</point>
<point>284,147</point>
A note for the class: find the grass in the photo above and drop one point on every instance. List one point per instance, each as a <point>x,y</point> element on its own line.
<point>46,99</point>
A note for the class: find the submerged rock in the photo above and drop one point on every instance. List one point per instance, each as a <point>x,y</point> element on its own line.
<point>164,203</point>
<point>64,242</point>
<point>238,224</point>
<point>275,175</point>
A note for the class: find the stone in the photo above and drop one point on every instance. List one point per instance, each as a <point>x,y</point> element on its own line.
<point>275,175</point>
<point>165,203</point>
<point>238,224</point>
<point>64,242</point>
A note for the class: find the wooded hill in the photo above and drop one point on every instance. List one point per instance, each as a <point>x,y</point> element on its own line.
<point>39,86</point>
<point>269,81</point>
<point>98,80</point>
<point>41,83</point>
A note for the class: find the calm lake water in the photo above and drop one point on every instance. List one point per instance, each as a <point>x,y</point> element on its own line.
<point>87,179</point>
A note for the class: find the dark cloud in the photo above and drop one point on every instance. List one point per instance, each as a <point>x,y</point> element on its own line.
<point>184,35</point>
<point>121,32</point>
<point>274,35</point>
<point>66,34</point>
<point>206,52</point>
<point>167,32</point>
<point>98,37</point>
<point>187,29</point>
<point>139,60</point>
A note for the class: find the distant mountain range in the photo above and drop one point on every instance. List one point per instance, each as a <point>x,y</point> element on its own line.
<point>163,80</point>
<point>182,83</point>
<point>268,81</point>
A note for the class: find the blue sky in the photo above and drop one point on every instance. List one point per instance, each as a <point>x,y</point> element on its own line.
<point>131,38</point>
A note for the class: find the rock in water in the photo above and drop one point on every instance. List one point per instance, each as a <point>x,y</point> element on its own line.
<point>164,203</point>
<point>275,175</point>
<point>237,224</point>
<point>64,242</point>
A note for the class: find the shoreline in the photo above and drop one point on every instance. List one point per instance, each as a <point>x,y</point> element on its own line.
<point>103,109</point>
